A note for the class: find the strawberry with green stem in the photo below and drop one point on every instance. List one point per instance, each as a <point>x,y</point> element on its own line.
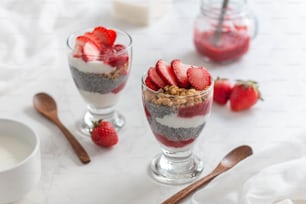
<point>104,134</point>
<point>245,94</point>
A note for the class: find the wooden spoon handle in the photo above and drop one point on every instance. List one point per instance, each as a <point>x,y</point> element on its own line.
<point>189,189</point>
<point>77,147</point>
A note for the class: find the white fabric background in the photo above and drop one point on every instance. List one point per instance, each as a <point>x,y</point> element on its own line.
<point>33,59</point>
<point>30,36</point>
<point>272,175</point>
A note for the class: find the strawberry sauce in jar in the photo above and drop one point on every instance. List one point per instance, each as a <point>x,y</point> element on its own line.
<point>235,33</point>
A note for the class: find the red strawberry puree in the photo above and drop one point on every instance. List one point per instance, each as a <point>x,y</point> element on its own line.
<point>233,44</point>
<point>181,143</point>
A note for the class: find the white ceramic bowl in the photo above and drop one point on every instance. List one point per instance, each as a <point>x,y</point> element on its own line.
<point>20,166</point>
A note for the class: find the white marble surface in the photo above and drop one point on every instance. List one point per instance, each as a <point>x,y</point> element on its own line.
<point>119,175</point>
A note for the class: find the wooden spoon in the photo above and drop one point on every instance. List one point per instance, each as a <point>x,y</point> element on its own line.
<point>229,161</point>
<point>46,105</point>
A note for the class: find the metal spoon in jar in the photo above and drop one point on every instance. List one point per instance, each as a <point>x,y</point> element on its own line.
<point>218,31</point>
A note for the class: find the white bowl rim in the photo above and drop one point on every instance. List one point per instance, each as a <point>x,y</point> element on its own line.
<point>33,152</point>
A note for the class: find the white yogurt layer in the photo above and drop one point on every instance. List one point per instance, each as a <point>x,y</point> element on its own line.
<point>178,122</point>
<point>97,67</point>
<point>100,100</point>
<point>12,151</point>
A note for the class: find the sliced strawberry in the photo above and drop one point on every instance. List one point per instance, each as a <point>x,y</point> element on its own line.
<point>105,54</point>
<point>165,71</point>
<point>180,71</point>
<point>199,78</point>
<point>155,77</point>
<point>112,35</point>
<point>86,49</point>
<point>119,57</point>
<point>118,47</point>
<point>107,36</point>
<point>94,39</point>
<point>119,88</point>
<point>150,84</point>
<point>79,44</point>
<point>90,52</point>
<point>118,61</point>
<point>197,109</point>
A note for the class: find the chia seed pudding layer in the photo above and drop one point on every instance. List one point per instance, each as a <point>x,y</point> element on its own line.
<point>97,83</point>
<point>158,111</point>
<point>175,134</point>
<point>176,120</point>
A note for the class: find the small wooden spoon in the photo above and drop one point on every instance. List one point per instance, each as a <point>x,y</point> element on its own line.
<point>229,161</point>
<point>46,105</point>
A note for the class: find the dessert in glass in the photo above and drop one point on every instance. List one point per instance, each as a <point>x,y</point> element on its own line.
<point>100,63</point>
<point>177,101</point>
<point>228,40</point>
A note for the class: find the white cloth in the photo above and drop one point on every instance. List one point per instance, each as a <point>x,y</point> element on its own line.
<point>275,174</point>
<point>29,36</point>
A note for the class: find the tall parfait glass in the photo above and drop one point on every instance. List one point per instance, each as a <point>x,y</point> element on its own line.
<point>176,122</point>
<point>100,76</point>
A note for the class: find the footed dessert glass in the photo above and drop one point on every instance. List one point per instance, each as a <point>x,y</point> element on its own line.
<point>101,77</point>
<point>176,122</point>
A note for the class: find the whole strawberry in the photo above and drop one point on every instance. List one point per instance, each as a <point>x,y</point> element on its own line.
<point>244,95</point>
<point>222,91</point>
<point>104,134</point>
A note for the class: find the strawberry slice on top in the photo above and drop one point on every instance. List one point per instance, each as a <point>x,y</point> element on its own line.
<point>95,39</point>
<point>119,56</point>
<point>180,71</point>
<point>90,52</point>
<point>99,45</point>
<point>150,84</point>
<point>86,49</point>
<point>155,78</point>
<point>165,72</point>
<point>199,78</point>
<point>107,36</point>
<point>78,48</point>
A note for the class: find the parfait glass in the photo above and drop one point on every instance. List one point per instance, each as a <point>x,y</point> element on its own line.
<point>101,79</point>
<point>176,122</point>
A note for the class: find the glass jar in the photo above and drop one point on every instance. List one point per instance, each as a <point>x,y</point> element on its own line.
<point>224,39</point>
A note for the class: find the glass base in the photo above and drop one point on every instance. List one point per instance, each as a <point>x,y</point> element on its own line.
<point>108,114</point>
<point>170,170</point>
